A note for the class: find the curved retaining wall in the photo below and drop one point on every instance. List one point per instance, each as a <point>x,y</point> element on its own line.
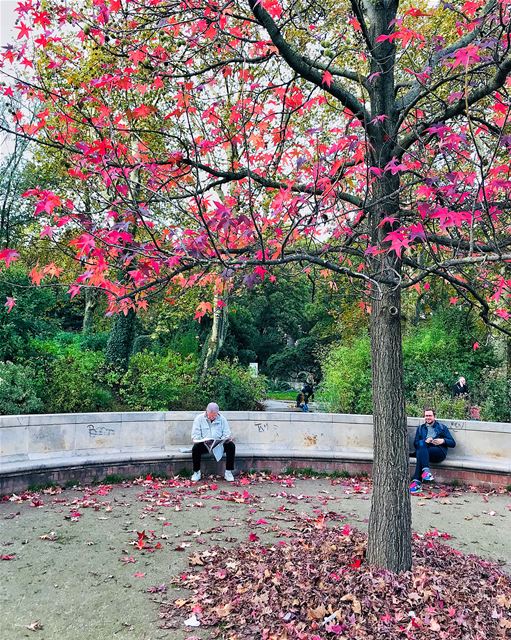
<point>35,449</point>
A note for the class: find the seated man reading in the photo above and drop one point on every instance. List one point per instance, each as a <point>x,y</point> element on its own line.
<point>431,441</point>
<point>211,434</point>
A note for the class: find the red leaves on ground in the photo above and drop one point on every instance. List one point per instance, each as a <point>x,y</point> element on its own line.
<point>319,586</point>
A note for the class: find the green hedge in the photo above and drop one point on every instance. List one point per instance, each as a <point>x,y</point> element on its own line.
<point>233,387</point>
<point>20,390</point>
<point>157,383</point>
<point>434,355</point>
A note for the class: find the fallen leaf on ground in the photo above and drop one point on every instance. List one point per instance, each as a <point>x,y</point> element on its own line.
<point>34,626</point>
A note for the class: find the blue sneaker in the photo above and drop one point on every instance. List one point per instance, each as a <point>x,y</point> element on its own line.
<point>415,487</point>
<point>427,476</point>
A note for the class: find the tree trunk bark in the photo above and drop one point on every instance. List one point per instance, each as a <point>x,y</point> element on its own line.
<point>390,538</point>
<point>508,371</point>
<point>91,302</point>
<point>120,342</point>
<point>389,543</point>
<point>215,339</point>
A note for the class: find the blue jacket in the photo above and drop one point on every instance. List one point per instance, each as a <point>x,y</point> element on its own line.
<point>441,431</point>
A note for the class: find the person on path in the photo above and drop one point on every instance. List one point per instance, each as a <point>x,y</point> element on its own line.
<point>432,439</point>
<point>308,391</point>
<point>460,388</point>
<point>301,403</point>
<point>211,430</point>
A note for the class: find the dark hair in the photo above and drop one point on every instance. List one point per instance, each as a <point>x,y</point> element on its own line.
<point>430,409</point>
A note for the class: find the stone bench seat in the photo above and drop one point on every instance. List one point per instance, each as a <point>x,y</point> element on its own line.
<point>39,448</point>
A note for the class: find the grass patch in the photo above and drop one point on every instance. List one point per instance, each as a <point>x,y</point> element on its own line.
<point>282,395</point>
<point>341,474</point>
<point>112,478</point>
<point>37,488</point>
<point>309,472</point>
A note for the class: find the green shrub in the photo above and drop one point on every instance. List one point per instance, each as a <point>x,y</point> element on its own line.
<point>33,315</point>
<point>19,390</point>
<point>143,343</point>
<point>185,343</point>
<point>434,354</point>
<point>233,387</point>
<point>157,383</point>
<point>289,362</point>
<point>75,383</point>
<point>496,405</point>
<point>446,407</point>
<point>94,341</point>
<point>442,349</point>
<point>346,385</point>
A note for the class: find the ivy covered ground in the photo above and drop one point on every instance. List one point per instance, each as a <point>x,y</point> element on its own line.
<point>268,557</point>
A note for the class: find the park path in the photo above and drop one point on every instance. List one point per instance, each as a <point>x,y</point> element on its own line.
<point>77,573</point>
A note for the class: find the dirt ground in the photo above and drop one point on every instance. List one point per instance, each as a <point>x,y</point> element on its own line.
<point>76,565</point>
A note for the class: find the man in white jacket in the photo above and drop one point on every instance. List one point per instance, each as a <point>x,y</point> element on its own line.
<point>211,432</point>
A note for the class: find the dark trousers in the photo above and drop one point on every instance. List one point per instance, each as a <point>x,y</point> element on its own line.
<point>199,448</point>
<point>427,453</point>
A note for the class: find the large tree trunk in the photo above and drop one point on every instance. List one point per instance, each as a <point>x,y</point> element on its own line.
<point>120,342</point>
<point>216,337</point>
<point>91,302</point>
<point>389,542</point>
<point>508,371</point>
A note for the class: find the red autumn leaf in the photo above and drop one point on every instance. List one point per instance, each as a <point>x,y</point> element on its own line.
<point>24,31</point>
<point>8,256</point>
<point>327,78</point>
<point>9,303</point>
<point>128,559</point>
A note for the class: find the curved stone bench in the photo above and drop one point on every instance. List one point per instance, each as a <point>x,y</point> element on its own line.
<point>38,449</point>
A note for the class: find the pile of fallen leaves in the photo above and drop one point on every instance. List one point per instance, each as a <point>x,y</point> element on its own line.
<point>319,586</point>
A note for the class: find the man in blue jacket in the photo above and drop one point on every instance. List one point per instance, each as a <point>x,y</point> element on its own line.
<point>431,441</point>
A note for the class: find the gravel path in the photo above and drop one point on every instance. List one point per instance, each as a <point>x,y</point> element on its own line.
<point>76,572</point>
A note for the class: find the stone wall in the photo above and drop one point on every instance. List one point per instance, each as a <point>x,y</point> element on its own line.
<point>42,446</point>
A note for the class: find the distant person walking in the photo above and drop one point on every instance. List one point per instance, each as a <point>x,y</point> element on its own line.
<point>432,439</point>
<point>460,388</point>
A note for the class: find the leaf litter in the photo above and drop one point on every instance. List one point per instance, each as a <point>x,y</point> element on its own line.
<point>309,580</point>
<point>318,585</point>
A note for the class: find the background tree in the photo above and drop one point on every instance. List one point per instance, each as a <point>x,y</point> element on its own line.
<point>228,138</point>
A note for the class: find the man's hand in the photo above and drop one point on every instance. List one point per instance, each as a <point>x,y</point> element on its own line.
<point>438,441</point>
<point>429,440</point>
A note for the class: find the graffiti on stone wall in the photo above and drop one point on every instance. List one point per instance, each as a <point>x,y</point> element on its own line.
<point>458,424</point>
<point>95,432</point>
<point>269,429</point>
